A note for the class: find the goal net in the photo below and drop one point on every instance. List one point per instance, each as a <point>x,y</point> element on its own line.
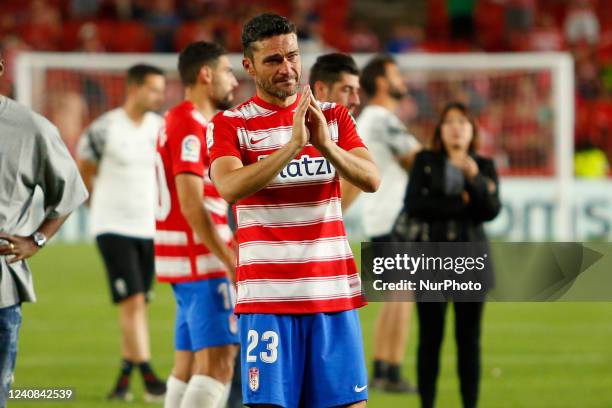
<point>523,104</point>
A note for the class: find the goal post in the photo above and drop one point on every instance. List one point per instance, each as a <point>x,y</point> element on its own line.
<point>524,103</point>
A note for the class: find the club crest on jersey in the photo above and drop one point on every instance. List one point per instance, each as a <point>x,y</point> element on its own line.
<point>254,378</point>
<point>190,149</point>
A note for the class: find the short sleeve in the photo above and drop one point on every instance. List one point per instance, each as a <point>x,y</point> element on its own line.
<point>58,176</point>
<point>397,137</point>
<point>222,137</point>
<point>348,138</point>
<point>186,145</point>
<point>91,144</point>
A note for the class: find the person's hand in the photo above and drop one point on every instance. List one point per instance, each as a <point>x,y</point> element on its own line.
<point>230,264</point>
<point>465,196</point>
<point>300,133</point>
<point>18,248</point>
<point>467,165</point>
<point>317,125</point>
<point>470,168</point>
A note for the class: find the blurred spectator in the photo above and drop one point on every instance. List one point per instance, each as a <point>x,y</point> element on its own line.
<point>590,161</point>
<point>162,21</point>
<point>68,111</point>
<point>461,19</point>
<point>83,9</point>
<point>581,23</point>
<point>44,26</point>
<point>362,38</point>
<point>11,46</point>
<point>405,38</point>
<point>546,36</point>
<point>519,18</point>
<point>89,39</point>
<point>308,23</point>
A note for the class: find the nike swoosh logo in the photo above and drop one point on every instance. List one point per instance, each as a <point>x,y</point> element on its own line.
<point>255,141</point>
<point>359,389</point>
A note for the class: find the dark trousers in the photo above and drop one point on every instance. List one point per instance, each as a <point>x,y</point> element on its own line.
<point>468,316</point>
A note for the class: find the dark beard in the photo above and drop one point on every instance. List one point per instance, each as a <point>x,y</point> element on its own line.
<point>270,89</point>
<point>396,94</point>
<point>225,103</point>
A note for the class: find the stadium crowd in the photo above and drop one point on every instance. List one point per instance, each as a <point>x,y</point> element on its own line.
<point>517,139</point>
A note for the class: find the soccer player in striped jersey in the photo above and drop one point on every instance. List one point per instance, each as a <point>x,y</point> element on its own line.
<point>334,78</point>
<point>192,240</point>
<point>278,157</point>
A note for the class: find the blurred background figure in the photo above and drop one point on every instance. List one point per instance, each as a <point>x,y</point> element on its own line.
<point>393,149</point>
<point>451,193</point>
<point>116,157</point>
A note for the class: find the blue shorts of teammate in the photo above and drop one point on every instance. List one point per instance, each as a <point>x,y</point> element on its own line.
<point>204,315</point>
<point>313,360</point>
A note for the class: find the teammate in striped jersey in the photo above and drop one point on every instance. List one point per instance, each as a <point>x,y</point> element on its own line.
<point>278,158</point>
<point>192,240</point>
<point>334,78</point>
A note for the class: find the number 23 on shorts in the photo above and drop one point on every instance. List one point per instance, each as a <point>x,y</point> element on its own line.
<point>270,338</point>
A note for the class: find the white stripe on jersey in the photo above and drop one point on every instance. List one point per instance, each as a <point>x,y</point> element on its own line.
<point>291,290</point>
<point>170,237</point>
<point>172,266</point>
<point>274,138</point>
<point>208,263</point>
<point>289,215</point>
<point>323,249</point>
<point>216,205</point>
<point>224,231</point>
<point>178,266</point>
<point>249,111</point>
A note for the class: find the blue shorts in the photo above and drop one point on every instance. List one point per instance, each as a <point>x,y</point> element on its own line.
<point>204,314</point>
<point>313,360</point>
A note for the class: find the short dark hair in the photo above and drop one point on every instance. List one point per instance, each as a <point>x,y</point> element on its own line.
<point>438,143</point>
<point>137,74</point>
<point>375,68</point>
<point>264,26</point>
<point>194,56</point>
<point>328,68</point>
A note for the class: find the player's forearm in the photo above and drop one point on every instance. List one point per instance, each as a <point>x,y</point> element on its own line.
<point>359,171</point>
<point>201,223</point>
<point>349,194</point>
<point>51,225</point>
<point>237,184</point>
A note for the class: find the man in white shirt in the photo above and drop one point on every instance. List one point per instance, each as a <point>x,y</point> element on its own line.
<point>393,149</point>
<point>116,157</point>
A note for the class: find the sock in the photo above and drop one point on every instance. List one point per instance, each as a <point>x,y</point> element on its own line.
<point>175,389</point>
<point>225,395</point>
<point>393,373</point>
<point>380,369</point>
<point>126,367</point>
<point>124,374</point>
<point>145,368</point>
<point>202,392</point>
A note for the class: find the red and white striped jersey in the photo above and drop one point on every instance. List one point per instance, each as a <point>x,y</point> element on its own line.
<point>179,255</point>
<point>293,253</point>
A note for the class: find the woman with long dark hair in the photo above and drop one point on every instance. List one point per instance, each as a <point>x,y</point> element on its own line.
<point>451,193</point>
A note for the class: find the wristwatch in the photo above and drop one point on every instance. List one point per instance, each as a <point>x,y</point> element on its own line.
<point>39,239</point>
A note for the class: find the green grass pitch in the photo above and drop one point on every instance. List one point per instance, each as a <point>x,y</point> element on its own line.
<point>534,355</point>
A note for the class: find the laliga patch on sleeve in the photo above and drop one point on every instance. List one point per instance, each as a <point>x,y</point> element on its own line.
<point>209,135</point>
<point>190,150</point>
